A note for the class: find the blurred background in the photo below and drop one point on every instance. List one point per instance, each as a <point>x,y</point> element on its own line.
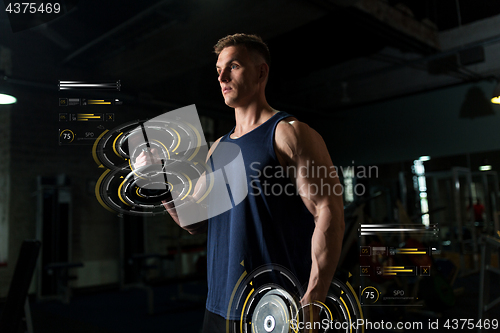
<point>402,92</point>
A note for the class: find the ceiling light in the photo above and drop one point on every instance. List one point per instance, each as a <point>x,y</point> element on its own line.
<point>424,158</point>
<point>485,167</point>
<point>495,99</point>
<point>7,99</point>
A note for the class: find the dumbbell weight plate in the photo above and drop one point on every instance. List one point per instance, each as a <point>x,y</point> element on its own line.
<point>271,314</point>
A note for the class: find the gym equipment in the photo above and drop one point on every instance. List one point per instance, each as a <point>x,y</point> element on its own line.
<point>451,189</point>
<point>488,244</point>
<point>17,298</point>
<point>261,306</point>
<point>133,265</point>
<point>141,261</point>
<point>180,147</point>
<point>273,312</point>
<point>137,265</point>
<point>491,192</point>
<point>60,271</point>
<point>54,230</point>
<point>278,311</point>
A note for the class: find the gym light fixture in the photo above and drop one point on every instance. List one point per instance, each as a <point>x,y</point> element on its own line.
<point>495,99</point>
<point>7,99</point>
<point>485,167</point>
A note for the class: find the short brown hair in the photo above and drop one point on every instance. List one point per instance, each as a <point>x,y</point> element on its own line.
<point>251,42</point>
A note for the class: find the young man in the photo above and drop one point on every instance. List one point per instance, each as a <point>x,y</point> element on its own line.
<point>272,225</point>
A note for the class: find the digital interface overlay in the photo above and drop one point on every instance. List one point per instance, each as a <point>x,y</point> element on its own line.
<point>83,119</point>
<point>394,264</point>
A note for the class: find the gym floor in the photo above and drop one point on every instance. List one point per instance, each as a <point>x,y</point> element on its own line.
<point>126,311</point>
<point>123,311</point>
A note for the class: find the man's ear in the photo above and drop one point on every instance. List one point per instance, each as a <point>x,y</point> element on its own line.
<point>263,71</point>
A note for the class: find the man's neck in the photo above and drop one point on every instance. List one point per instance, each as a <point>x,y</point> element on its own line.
<point>251,116</point>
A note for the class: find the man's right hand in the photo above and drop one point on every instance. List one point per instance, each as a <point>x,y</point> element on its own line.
<point>152,157</point>
<point>147,158</point>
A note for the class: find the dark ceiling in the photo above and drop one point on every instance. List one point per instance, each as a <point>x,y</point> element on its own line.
<point>163,49</point>
<point>445,13</point>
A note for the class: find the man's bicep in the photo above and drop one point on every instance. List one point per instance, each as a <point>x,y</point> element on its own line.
<point>212,149</point>
<point>200,187</point>
<point>316,177</point>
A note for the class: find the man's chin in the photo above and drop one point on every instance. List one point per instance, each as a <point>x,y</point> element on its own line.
<point>230,102</point>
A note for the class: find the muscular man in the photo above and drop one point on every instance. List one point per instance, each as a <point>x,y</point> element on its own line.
<point>295,221</point>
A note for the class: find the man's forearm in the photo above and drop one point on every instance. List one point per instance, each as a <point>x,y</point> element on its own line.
<point>197,228</point>
<point>192,228</point>
<point>326,245</point>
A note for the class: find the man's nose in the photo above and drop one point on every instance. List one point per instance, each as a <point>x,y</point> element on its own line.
<point>224,76</point>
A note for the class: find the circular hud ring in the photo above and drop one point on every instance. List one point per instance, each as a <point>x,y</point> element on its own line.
<point>142,191</point>
<point>340,310</point>
<point>265,298</point>
<point>177,165</point>
<point>268,300</point>
<point>339,313</point>
<point>272,313</point>
<point>113,190</point>
<point>172,139</point>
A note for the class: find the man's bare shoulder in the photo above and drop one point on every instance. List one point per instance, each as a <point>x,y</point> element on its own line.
<point>292,130</point>
<point>293,136</point>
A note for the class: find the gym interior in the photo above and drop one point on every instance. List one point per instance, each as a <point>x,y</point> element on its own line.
<point>405,94</point>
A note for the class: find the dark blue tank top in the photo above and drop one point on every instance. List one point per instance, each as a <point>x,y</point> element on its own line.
<point>271,225</point>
